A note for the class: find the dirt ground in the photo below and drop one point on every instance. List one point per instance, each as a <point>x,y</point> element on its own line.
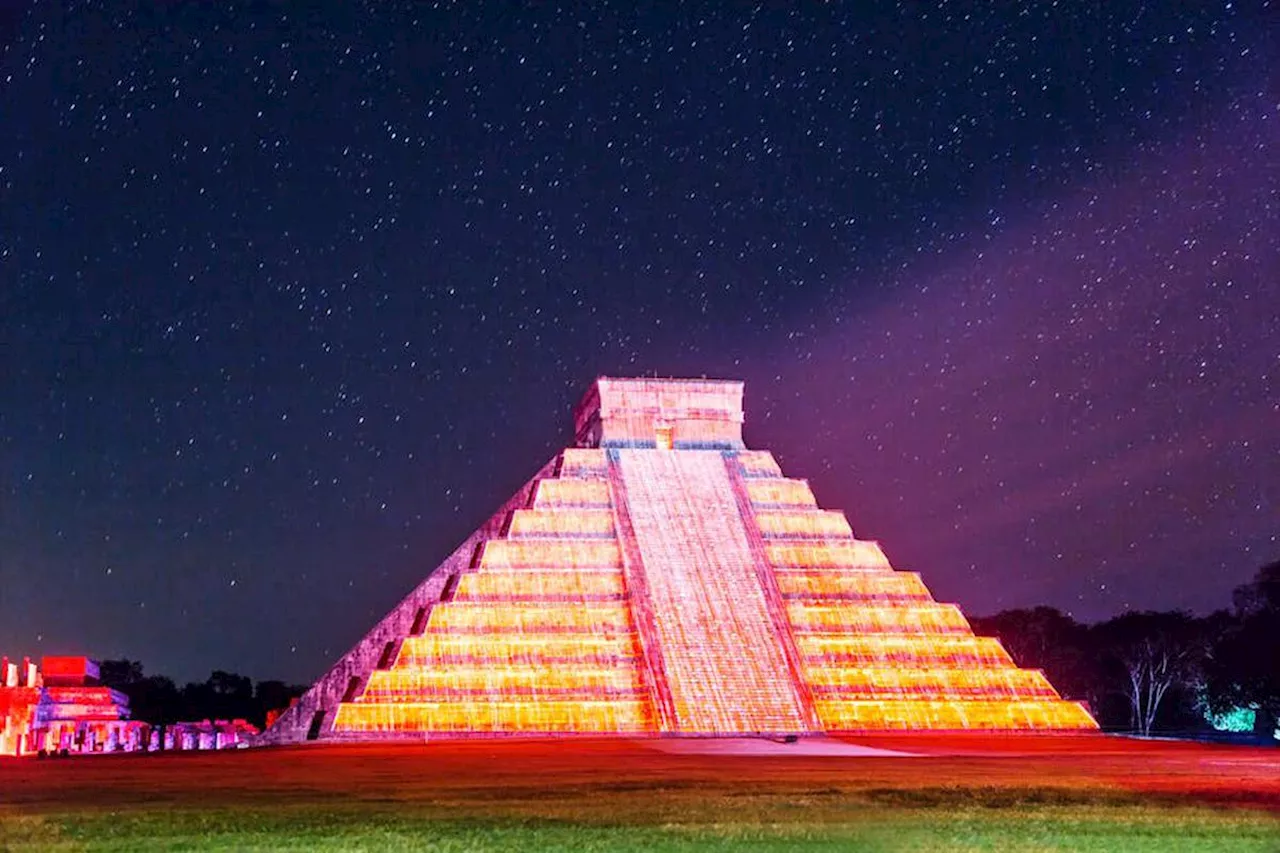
<point>462,771</point>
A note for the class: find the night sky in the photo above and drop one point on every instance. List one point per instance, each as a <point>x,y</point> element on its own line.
<point>293,296</point>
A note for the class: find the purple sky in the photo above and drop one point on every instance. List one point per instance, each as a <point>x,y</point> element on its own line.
<point>1079,406</point>
<point>292,296</point>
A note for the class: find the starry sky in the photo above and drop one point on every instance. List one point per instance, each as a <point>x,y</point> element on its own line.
<point>292,296</point>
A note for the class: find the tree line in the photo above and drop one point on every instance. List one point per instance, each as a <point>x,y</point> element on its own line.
<point>1144,672</point>
<point>158,700</point>
<point>1151,672</point>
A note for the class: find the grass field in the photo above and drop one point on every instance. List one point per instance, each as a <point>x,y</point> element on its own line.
<point>970,793</point>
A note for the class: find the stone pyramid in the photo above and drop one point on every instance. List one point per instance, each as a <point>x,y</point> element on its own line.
<point>659,578</point>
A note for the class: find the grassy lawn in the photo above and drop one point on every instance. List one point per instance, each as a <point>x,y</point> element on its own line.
<point>624,796</point>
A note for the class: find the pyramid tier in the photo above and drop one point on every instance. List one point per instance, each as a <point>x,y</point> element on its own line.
<point>550,554</point>
<point>505,680</point>
<point>777,492</point>
<point>524,585</point>
<point>903,650</point>
<point>495,716</point>
<point>893,682</point>
<point>529,617</point>
<point>534,649</point>
<point>583,462</point>
<point>856,618</point>
<point>828,584</point>
<point>551,494</point>
<point>850,554</point>
<point>758,463</point>
<point>574,523</point>
<point>867,715</point>
<point>799,523</point>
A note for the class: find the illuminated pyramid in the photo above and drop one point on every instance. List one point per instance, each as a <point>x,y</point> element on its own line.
<point>660,578</point>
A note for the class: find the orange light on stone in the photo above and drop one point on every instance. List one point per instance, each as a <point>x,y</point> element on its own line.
<point>424,684</point>
<point>836,554</point>
<point>791,493</point>
<point>837,583</point>
<point>563,493</point>
<point>759,463</point>
<point>925,715</point>
<point>885,682</point>
<point>522,617</point>
<point>496,716</point>
<point>815,523</point>
<point>524,585</point>
<point>561,522</point>
<point>857,618</point>
<point>550,554</point>
<point>659,579</point>
<point>583,462</point>
<point>905,650</point>
<point>437,649</point>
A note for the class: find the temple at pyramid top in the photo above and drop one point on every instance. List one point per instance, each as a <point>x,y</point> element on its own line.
<point>670,413</point>
<point>659,578</point>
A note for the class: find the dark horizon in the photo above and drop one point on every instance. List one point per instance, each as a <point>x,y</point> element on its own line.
<point>292,299</point>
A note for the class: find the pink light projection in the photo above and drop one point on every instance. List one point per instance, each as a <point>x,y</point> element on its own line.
<point>663,579</point>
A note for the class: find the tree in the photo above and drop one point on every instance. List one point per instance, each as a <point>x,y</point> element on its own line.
<point>1244,670</point>
<point>1260,595</point>
<point>230,686</point>
<point>1150,656</point>
<point>1046,638</point>
<point>272,696</point>
<point>222,696</point>
<point>119,674</point>
<point>155,700</point>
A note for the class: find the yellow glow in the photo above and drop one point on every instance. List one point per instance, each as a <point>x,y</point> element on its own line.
<point>420,683</point>
<point>812,523</point>
<point>556,493</point>
<point>771,492</point>
<point>487,715</point>
<point>916,714</point>
<point>524,584</point>
<point>433,649</point>
<point>905,650</point>
<point>847,554</point>
<point>581,461</point>
<point>759,463</point>
<point>857,618</point>
<point>521,617</point>
<point>540,637</point>
<point>551,554</point>
<point>817,583</point>
<point>561,522</point>
<point>859,683</point>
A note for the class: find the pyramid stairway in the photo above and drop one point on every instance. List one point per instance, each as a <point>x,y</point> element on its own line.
<point>660,578</point>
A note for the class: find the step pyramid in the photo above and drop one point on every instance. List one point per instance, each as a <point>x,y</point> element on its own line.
<point>660,578</point>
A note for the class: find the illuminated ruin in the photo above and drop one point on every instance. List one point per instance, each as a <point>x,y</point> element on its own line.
<point>659,578</point>
<point>60,707</point>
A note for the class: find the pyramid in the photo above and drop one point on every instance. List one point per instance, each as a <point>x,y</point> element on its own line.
<point>659,578</point>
